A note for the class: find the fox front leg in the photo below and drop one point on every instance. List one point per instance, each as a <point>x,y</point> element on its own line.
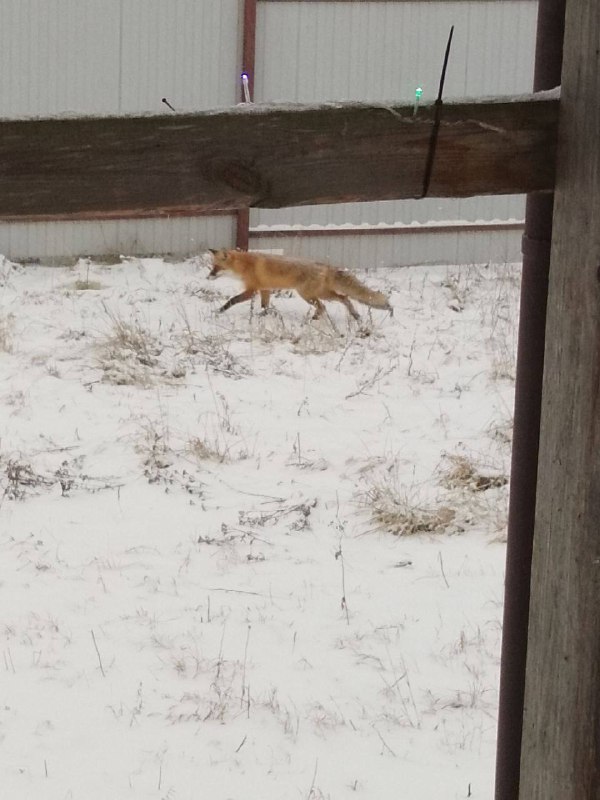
<point>346,301</point>
<point>239,298</point>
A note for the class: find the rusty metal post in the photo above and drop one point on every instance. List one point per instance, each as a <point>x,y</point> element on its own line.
<point>528,395</point>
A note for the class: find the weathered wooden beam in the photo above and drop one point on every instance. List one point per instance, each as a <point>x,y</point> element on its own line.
<point>271,156</point>
<point>561,732</point>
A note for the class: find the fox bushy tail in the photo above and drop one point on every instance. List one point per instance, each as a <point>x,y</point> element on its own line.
<point>346,283</point>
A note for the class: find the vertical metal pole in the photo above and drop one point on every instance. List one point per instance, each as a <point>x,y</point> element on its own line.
<point>528,395</point>
<point>242,236</point>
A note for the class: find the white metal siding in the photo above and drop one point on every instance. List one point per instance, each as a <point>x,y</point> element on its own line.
<point>39,241</point>
<point>381,52</point>
<point>57,56</point>
<point>184,50</point>
<point>385,250</point>
<point>312,51</point>
<point>123,56</point>
<point>112,57</point>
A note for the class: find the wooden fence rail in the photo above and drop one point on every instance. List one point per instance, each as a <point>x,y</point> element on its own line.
<point>271,156</point>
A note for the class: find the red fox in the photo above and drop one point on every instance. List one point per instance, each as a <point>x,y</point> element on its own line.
<point>313,281</point>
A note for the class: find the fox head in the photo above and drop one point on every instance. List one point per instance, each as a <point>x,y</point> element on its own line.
<point>220,262</point>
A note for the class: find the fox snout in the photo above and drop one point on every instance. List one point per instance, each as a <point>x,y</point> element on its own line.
<point>218,256</point>
<point>216,268</point>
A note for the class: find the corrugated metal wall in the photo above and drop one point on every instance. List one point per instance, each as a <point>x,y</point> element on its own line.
<point>123,56</point>
<point>380,52</point>
<point>364,252</point>
<point>111,57</point>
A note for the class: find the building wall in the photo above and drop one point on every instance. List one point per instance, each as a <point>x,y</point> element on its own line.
<point>362,251</point>
<point>380,52</point>
<point>124,56</point>
<point>116,57</point>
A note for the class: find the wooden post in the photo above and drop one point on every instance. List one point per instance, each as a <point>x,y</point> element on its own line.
<point>561,733</point>
<point>526,430</point>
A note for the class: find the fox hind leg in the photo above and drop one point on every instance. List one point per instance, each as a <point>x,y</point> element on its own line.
<point>313,301</point>
<point>265,296</point>
<point>319,307</point>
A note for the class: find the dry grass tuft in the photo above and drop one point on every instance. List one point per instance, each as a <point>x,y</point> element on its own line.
<point>459,288</point>
<point>213,349</point>
<point>462,473</point>
<point>6,333</point>
<point>203,450</point>
<point>129,352</point>
<point>87,285</point>
<point>20,479</point>
<point>502,431</point>
<point>161,462</point>
<point>392,509</point>
<point>131,337</point>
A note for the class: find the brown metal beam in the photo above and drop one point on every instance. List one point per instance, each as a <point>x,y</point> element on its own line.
<point>373,1</point>
<point>387,230</point>
<point>270,157</point>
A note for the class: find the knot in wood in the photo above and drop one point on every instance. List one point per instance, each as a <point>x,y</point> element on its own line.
<point>239,176</point>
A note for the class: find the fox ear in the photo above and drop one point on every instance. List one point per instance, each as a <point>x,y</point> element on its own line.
<point>214,252</point>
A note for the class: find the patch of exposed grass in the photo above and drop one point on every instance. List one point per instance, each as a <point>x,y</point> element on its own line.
<point>129,352</point>
<point>87,285</point>
<point>7,322</point>
<point>393,509</point>
<point>204,450</point>
<point>461,472</point>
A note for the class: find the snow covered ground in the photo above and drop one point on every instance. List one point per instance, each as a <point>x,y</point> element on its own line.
<point>251,557</point>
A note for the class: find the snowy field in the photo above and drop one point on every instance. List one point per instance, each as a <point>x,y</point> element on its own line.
<point>248,557</point>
